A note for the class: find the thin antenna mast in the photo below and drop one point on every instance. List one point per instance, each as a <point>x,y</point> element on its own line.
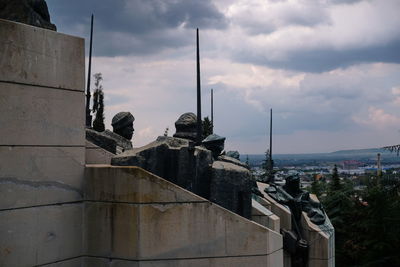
<point>88,116</point>
<point>199,128</point>
<point>212,111</point>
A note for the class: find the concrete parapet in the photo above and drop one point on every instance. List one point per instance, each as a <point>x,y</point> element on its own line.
<point>40,235</point>
<point>278,209</point>
<point>97,155</point>
<point>263,216</point>
<point>42,149</point>
<point>321,251</point>
<point>41,57</point>
<point>147,219</point>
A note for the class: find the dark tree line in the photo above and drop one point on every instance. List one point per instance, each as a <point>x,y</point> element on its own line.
<point>98,104</point>
<point>367,222</point>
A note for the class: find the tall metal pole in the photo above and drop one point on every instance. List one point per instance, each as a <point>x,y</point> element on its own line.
<point>88,116</point>
<point>270,135</point>
<point>271,178</point>
<point>212,111</point>
<point>199,128</point>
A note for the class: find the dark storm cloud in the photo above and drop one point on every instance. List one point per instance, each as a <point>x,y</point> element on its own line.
<point>325,60</point>
<point>136,26</point>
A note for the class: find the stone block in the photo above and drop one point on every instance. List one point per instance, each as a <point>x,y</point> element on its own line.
<point>132,184</point>
<point>76,262</point>
<point>32,176</point>
<point>263,216</point>
<point>97,155</point>
<point>41,235</point>
<point>97,262</point>
<point>278,209</point>
<point>37,56</point>
<point>41,116</point>
<point>252,261</point>
<point>204,230</point>
<point>126,227</point>
<point>111,230</point>
<point>322,243</point>
<point>275,259</point>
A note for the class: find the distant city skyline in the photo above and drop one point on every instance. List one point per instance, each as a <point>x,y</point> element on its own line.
<point>329,69</point>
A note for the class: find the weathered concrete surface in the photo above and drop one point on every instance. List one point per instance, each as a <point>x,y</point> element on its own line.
<point>36,56</point>
<point>322,242</point>
<point>75,262</point>
<point>231,187</point>
<point>265,217</point>
<point>32,176</point>
<point>278,209</point>
<point>133,185</point>
<point>40,116</point>
<point>40,235</point>
<point>174,159</point>
<point>42,149</point>
<point>128,220</point>
<point>96,155</point>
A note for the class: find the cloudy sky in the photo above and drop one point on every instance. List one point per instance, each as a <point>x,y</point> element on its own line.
<point>329,69</point>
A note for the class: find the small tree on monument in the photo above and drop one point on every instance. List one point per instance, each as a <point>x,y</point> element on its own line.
<point>207,127</point>
<point>98,104</point>
<point>335,185</point>
<point>268,166</point>
<point>316,186</point>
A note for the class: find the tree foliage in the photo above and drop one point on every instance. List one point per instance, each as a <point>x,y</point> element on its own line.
<point>268,166</point>
<point>207,127</point>
<point>366,222</point>
<point>98,104</point>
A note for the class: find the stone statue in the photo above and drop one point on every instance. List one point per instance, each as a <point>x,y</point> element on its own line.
<point>233,154</point>
<point>32,12</point>
<point>118,140</point>
<point>215,143</point>
<point>297,201</point>
<point>186,126</point>
<point>200,169</point>
<point>122,124</point>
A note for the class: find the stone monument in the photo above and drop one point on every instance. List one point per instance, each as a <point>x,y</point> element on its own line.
<point>186,126</point>
<point>118,140</point>
<point>215,143</point>
<point>298,201</point>
<point>201,169</point>
<point>32,12</point>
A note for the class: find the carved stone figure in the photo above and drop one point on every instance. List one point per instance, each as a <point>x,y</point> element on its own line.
<point>32,12</point>
<point>297,201</point>
<point>122,124</point>
<point>186,126</point>
<point>233,154</point>
<point>215,143</point>
<point>117,141</point>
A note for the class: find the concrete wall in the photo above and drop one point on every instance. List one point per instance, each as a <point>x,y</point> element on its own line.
<point>263,216</point>
<point>321,241</point>
<point>97,155</point>
<point>42,151</point>
<point>134,218</point>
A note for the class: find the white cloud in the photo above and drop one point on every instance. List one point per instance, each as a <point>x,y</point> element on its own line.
<point>313,111</point>
<point>379,118</point>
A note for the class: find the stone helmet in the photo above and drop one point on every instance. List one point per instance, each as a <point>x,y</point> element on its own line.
<point>122,119</point>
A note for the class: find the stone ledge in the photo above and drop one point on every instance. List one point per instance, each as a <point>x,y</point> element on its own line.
<point>57,62</point>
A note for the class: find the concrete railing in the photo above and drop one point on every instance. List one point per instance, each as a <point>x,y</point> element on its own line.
<point>132,216</point>
<point>42,145</point>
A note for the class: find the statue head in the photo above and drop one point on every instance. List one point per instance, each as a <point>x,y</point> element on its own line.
<point>215,143</point>
<point>122,124</point>
<point>186,126</point>
<point>292,185</point>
